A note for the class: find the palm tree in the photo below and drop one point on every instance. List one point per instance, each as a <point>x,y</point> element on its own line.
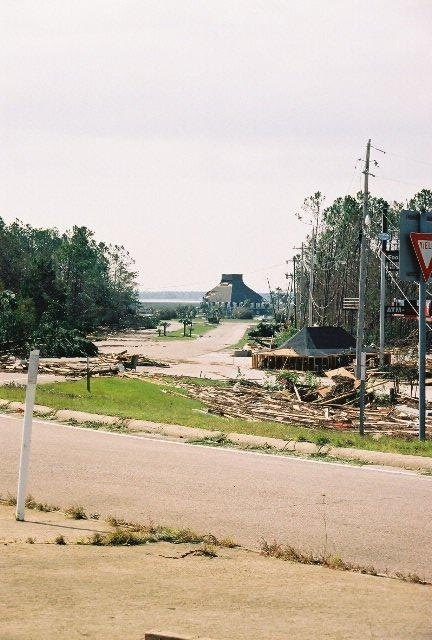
<point>164,325</point>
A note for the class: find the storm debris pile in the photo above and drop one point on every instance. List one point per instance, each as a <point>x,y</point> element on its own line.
<point>251,401</point>
<point>104,364</point>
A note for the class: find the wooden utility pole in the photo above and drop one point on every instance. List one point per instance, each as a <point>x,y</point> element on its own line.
<point>382,288</point>
<point>362,268</point>
<point>311,280</point>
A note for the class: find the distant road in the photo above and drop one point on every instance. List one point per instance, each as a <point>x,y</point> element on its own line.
<point>372,517</point>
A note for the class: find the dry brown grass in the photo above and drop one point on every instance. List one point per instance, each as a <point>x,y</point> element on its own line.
<point>76,512</point>
<point>135,533</point>
<point>291,554</point>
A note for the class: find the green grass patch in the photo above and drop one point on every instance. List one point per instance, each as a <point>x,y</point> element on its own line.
<point>199,329</point>
<point>166,403</point>
<point>242,342</point>
<point>199,382</point>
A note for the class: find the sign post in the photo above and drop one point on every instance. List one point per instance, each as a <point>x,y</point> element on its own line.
<point>422,245</point>
<point>362,392</point>
<point>415,264</point>
<point>27,429</point>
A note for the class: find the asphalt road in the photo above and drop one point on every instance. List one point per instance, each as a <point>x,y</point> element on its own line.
<point>368,516</point>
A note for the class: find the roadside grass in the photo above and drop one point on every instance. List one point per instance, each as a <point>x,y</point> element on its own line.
<point>30,503</point>
<point>199,329</point>
<point>76,512</point>
<point>243,340</point>
<point>200,382</point>
<point>165,403</point>
<point>132,534</point>
<point>290,554</point>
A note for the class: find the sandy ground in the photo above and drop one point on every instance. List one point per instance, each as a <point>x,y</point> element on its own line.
<point>68,592</point>
<point>209,356</point>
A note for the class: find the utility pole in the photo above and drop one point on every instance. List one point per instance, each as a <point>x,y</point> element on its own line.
<point>422,343</point>
<point>294,288</point>
<point>311,280</point>
<point>272,300</point>
<point>384,238</point>
<point>362,269</point>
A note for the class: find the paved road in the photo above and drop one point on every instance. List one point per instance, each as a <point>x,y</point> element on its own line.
<point>372,517</point>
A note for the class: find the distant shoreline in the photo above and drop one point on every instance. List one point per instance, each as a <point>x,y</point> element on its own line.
<point>169,300</point>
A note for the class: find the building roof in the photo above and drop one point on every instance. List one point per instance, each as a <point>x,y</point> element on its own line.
<point>318,341</point>
<point>232,289</point>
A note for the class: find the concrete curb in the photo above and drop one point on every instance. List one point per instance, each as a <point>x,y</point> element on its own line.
<point>401,461</point>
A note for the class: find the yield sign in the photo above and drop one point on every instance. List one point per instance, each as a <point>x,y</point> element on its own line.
<point>422,244</point>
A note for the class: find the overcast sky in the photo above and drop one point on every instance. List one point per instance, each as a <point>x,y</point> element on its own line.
<point>190,131</point>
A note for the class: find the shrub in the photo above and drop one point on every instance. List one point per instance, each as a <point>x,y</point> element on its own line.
<point>166,313</point>
<point>243,313</point>
<point>76,512</point>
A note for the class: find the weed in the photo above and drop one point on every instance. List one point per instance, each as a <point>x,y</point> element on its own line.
<point>76,512</point>
<point>291,554</point>
<point>10,500</point>
<point>134,533</point>
<point>207,550</point>
<point>96,539</point>
<point>31,503</point>
<point>30,541</point>
<point>218,440</point>
<point>60,540</point>
<point>113,521</point>
<point>410,577</point>
<point>94,516</point>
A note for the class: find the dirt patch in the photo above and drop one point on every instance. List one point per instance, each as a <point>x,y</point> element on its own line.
<point>74,591</point>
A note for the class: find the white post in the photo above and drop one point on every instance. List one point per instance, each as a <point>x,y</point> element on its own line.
<point>26,437</point>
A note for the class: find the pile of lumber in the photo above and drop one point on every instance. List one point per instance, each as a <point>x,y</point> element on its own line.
<point>105,364</point>
<point>256,402</point>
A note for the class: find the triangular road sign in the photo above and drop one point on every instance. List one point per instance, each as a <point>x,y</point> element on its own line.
<point>422,245</point>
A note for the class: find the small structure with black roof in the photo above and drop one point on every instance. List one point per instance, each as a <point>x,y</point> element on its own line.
<point>311,349</point>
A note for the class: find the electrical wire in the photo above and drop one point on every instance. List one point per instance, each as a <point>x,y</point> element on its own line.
<point>389,273</point>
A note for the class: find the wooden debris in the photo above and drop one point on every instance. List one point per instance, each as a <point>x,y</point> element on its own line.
<point>254,402</point>
<point>105,364</point>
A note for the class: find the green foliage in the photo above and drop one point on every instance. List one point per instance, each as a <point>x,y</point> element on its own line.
<point>290,378</point>
<point>167,313</point>
<point>335,252</point>
<point>243,313</point>
<point>263,330</point>
<point>148,322</point>
<point>311,380</point>
<point>54,288</point>
<point>55,339</point>
<point>284,335</point>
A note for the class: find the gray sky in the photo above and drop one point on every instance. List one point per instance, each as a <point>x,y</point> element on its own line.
<point>191,131</point>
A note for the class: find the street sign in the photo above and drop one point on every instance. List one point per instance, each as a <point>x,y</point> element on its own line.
<point>350,303</point>
<point>408,309</point>
<point>383,237</point>
<point>422,244</point>
<point>409,222</point>
<point>415,258</point>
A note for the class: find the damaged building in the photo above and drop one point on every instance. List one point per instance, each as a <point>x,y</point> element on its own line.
<point>311,349</point>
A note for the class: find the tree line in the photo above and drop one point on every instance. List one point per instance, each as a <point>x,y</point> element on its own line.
<point>56,287</point>
<point>333,245</point>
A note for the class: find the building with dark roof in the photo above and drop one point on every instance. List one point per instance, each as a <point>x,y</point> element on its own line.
<point>232,292</point>
<point>310,349</point>
<point>321,341</point>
